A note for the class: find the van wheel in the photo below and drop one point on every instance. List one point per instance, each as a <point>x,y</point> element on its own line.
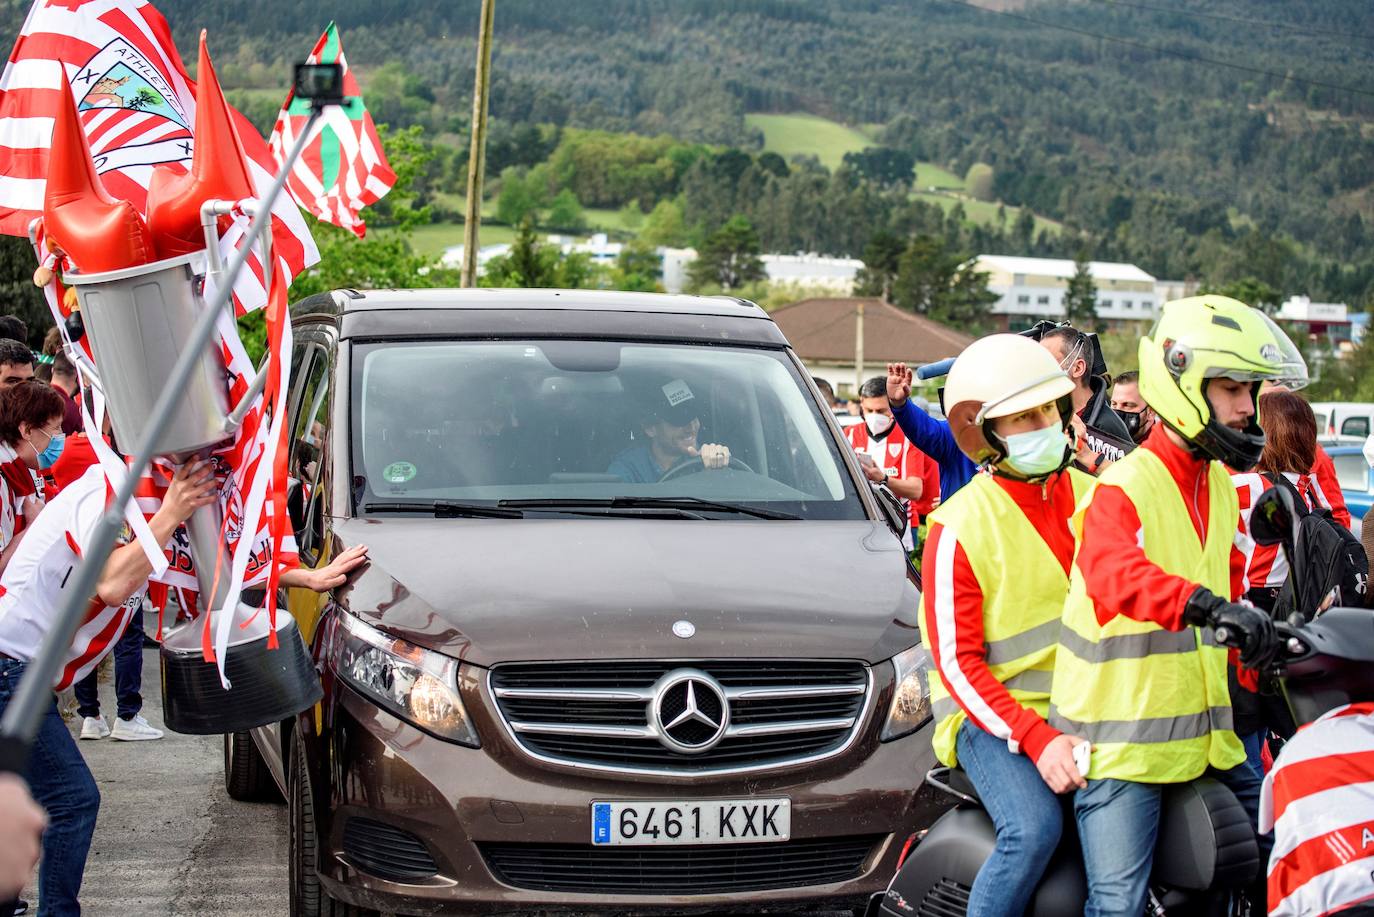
<point>246,777</point>
<point>307,898</point>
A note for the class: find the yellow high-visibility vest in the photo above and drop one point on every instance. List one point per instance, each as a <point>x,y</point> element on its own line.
<point>1153,702</point>
<point>1023,586</point>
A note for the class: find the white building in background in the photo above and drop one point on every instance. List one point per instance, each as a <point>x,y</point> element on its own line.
<point>814,273</point>
<point>1031,289</point>
<point>1169,290</point>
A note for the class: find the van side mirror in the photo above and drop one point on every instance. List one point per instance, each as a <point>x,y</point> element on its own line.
<point>894,513</point>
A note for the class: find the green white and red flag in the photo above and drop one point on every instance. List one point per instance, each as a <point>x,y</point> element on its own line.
<point>344,167</point>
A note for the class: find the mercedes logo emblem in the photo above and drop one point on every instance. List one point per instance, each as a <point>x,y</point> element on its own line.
<point>683,629</point>
<point>689,711</point>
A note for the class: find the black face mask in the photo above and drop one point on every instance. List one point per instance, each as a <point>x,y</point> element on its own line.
<point>1133,421</point>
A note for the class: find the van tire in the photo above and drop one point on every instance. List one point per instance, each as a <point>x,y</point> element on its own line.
<point>307,898</point>
<point>246,777</point>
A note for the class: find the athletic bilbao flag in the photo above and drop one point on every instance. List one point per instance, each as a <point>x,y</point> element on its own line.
<point>136,102</point>
<point>344,167</point>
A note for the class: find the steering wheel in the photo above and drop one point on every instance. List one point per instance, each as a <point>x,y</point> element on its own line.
<point>695,465</point>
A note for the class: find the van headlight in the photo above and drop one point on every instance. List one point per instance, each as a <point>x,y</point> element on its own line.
<point>414,683</point>
<point>911,702</point>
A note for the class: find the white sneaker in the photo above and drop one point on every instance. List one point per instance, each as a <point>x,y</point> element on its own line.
<point>94,727</point>
<point>134,730</point>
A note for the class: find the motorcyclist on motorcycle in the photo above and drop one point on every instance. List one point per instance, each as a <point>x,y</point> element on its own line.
<point>1138,672</point>
<point>997,561</point>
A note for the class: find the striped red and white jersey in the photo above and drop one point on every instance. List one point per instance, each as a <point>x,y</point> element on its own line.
<point>16,486</point>
<point>1319,801</point>
<point>34,585</point>
<point>1261,566</point>
<point>897,456</point>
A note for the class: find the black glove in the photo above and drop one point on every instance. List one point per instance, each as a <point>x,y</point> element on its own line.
<point>1248,629</point>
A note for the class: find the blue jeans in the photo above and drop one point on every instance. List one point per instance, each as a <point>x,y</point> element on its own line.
<point>1254,749</point>
<point>128,666</point>
<point>1118,823</point>
<point>62,784</point>
<point>1028,817</point>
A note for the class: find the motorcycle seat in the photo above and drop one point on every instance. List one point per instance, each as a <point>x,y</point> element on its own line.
<point>1205,838</point>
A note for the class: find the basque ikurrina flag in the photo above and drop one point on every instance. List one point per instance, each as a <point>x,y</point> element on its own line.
<point>344,167</point>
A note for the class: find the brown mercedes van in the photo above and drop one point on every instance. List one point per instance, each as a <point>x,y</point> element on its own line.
<point>636,632</point>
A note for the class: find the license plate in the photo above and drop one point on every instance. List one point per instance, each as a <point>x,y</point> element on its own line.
<point>714,821</point>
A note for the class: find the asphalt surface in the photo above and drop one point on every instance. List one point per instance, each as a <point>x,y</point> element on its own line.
<point>169,841</point>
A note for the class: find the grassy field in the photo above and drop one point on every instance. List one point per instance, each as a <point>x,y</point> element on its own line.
<point>435,237</point>
<point>828,141</point>
<point>983,212</point>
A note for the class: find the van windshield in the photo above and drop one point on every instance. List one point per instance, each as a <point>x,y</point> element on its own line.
<point>541,423</point>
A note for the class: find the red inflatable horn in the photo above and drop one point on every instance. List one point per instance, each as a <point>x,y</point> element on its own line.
<point>219,171</point>
<point>98,232</point>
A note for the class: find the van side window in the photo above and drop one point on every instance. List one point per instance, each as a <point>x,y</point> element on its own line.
<point>309,435</point>
<point>1355,426</point>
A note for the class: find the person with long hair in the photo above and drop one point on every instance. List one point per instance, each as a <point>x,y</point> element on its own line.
<point>30,441</point>
<point>1290,446</point>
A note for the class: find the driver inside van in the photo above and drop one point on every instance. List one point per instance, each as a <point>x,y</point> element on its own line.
<point>669,424</point>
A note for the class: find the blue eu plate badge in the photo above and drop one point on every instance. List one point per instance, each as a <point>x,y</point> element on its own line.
<point>601,823</point>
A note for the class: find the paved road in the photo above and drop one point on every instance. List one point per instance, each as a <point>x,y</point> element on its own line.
<point>170,842</point>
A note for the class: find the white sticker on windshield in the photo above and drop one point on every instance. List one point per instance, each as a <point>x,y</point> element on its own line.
<point>677,392</point>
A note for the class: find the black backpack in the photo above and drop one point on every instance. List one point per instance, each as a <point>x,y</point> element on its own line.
<point>1327,561</point>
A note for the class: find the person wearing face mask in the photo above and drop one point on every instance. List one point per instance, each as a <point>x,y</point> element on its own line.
<point>1138,671</point>
<point>996,572</point>
<point>1100,435</point>
<point>30,441</point>
<point>1129,406</point>
<point>890,458</point>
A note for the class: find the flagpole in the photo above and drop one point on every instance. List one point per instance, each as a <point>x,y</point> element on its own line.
<point>477,154</point>
<point>25,711</point>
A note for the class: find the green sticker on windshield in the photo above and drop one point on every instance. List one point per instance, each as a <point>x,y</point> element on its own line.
<point>398,472</point>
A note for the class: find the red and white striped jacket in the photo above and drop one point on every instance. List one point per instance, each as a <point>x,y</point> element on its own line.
<point>1258,566</point>
<point>1319,801</point>
<point>896,455</point>
<point>16,486</point>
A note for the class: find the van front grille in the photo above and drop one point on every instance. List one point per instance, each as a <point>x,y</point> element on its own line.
<point>695,870</point>
<point>619,715</point>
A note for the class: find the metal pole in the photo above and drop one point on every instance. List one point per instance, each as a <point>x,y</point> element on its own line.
<point>859,348</point>
<point>25,711</point>
<point>477,153</point>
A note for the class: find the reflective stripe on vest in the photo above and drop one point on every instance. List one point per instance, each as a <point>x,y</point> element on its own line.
<point>1154,703</point>
<point>1023,586</point>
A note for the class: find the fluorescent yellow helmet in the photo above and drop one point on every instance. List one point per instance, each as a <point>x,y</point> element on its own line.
<point>1214,337</point>
<point>997,376</point>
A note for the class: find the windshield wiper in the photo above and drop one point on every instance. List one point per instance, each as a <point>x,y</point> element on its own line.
<point>684,504</point>
<point>447,509</point>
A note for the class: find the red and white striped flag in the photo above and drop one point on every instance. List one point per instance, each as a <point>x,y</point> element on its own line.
<point>137,104</point>
<point>344,167</point>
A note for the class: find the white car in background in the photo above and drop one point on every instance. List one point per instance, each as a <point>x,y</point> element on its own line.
<point>1343,422</point>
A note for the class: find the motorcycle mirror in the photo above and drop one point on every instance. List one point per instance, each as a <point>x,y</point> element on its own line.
<point>893,512</point>
<point>1271,517</point>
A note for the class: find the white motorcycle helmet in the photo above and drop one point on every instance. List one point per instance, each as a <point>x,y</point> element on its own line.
<point>998,376</point>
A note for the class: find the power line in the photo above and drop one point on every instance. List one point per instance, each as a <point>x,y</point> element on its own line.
<point>1157,49</point>
<point>1270,23</point>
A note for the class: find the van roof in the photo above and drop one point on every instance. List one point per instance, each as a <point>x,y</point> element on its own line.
<point>481,298</point>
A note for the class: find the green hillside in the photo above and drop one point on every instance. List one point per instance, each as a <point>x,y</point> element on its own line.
<point>828,141</point>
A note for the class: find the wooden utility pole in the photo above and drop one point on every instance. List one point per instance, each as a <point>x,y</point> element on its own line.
<point>477,155</point>
<point>858,349</point>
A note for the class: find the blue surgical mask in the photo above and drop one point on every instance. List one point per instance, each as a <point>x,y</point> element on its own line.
<point>1038,452</point>
<point>48,457</point>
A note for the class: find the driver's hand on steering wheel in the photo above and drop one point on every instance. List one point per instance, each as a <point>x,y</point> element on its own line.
<point>713,455</point>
